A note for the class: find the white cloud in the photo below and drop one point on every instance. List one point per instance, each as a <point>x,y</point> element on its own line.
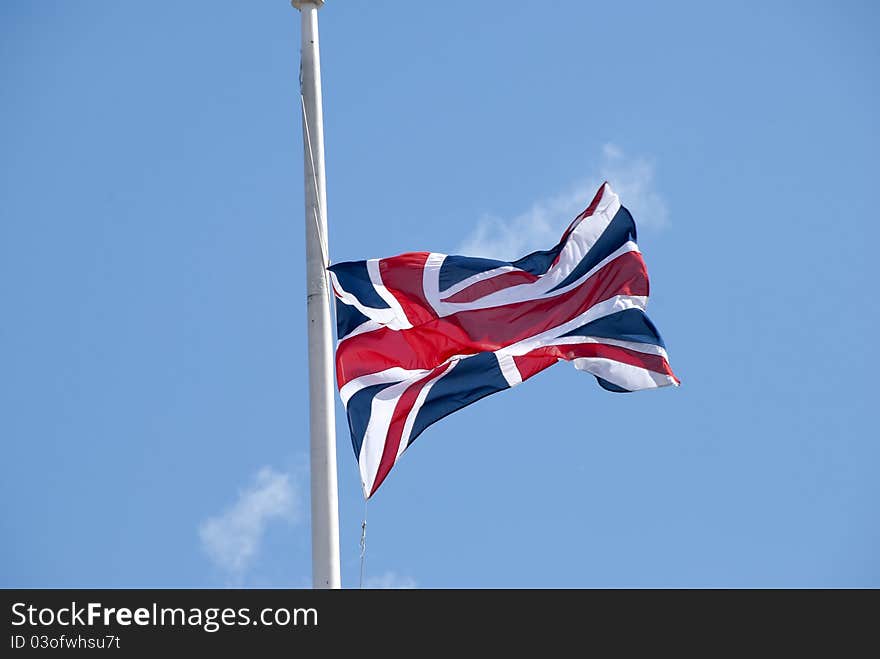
<point>538,228</point>
<point>390,580</point>
<point>232,539</point>
<point>542,225</point>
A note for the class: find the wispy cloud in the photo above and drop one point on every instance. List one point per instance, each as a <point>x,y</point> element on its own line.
<point>541,226</point>
<point>633,178</point>
<point>538,228</point>
<point>390,580</point>
<point>232,539</point>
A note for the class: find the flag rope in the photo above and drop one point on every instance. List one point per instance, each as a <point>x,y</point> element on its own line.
<point>322,240</point>
<point>363,545</point>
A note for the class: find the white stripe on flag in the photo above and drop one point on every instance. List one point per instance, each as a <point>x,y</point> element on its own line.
<point>508,369</point>
<point>623,375</point>
<point>583,237</point>
<point>366,326</point>
<point>401,322</point>
<point>380,316</point>
<point>393,374</point>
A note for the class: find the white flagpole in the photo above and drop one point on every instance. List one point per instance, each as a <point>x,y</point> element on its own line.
<point>322,427</point>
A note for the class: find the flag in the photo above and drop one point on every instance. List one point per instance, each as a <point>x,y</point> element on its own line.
<point>421,335</point>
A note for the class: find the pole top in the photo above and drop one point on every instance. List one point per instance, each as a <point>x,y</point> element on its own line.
<point>299,3</point>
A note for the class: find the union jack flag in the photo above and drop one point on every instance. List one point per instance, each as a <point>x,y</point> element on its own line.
<point>421,335</point>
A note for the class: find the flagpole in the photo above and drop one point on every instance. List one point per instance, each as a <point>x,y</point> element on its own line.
<point>322,427</point>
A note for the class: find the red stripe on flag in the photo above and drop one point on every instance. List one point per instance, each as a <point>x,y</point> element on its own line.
<point>644,360</point>
<point>483,288</point>
<point>423,347</point>
<point>403,276</point>
<point>569,352</point>
<point>485,330</point>
<point>589,210</point>
<point>395,428</point>
<point>534,362</point>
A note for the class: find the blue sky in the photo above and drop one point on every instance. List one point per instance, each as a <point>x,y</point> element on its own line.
<point>153,412</point>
